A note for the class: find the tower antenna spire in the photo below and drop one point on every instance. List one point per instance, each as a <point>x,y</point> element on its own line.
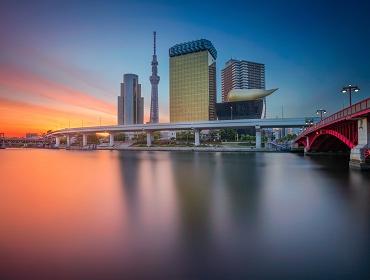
<point>155,42</point>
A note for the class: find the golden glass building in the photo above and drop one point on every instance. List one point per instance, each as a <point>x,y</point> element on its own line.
<point>193,81</point>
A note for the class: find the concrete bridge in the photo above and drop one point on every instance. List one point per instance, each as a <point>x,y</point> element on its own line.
<point>346,130</point>
<point>258,124</point>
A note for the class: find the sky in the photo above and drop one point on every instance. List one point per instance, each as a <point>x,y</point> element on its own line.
<point>62,62</point>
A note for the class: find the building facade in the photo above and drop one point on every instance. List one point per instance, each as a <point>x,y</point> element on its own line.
<point>130,102</point>
<point>241,74</point>
<point>193,81</point>
<point>251,109</point>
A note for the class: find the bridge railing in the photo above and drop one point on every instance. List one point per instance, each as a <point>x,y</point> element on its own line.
<point>340,115</point>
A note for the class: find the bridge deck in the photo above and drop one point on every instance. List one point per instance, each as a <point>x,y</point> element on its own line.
<point>263,123</point>
<point>359,109</point>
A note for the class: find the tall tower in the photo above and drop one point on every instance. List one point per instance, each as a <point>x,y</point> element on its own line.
<point>154,80</point>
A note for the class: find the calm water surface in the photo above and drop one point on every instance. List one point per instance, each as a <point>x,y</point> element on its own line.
<point>180,215</point>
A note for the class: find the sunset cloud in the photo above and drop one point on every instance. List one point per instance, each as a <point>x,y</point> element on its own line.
<point>34,85</point>
<point>18,118</point>
<point>57,105</point>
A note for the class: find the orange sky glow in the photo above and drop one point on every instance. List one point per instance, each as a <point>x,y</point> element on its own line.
<point>30,103</point>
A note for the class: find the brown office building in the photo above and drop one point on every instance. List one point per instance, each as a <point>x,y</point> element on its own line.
<point>241,74</point>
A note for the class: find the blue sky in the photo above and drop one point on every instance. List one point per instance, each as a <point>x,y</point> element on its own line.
<point>310,48</point>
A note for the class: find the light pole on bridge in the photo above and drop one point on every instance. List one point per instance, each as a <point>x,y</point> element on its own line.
<point>349,89</point>
<point>309,122</point>
<point>321,112</point>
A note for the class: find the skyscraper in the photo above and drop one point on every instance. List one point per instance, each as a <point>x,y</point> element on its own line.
<point>241,74</point>
<point>193,81</point>
<point>154,80</point>
<point>130,102</point>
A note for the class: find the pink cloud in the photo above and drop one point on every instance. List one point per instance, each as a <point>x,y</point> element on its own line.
<point>19,117</point>
<point>35,86</point>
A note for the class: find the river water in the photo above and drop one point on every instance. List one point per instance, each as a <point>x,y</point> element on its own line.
<point>181,215</point>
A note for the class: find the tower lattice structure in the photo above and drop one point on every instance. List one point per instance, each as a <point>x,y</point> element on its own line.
<point>154,80</point>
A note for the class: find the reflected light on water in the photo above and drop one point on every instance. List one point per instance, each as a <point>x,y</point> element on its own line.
<point>110,214</point>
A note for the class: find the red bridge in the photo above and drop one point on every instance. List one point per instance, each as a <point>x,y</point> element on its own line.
<point>347,130</point>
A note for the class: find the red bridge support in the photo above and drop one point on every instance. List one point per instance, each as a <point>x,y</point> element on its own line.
<point>345,131</point>
<point>360,157</point>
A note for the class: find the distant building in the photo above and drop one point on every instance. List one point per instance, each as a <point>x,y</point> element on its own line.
<point>130,102</point>
<point>241,74</point>
<point>193,81</point>
<point>31,136</point>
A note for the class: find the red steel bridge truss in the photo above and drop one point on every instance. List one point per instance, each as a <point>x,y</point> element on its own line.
<point>338,132</point>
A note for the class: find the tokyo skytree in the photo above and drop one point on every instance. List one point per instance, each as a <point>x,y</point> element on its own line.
<point>154,80</point>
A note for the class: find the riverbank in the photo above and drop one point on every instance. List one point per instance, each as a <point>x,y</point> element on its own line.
<point>192,149</point>
<point>161,148</point>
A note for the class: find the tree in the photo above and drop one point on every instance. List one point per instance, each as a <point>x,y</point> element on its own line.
<point>287,138</point>
<point>92,139</point>
<point>120,137</point>
<point>186,135</point>
<point>214,135</point>
<point>156,135</point>
<point>140,138</point>
<point>228,134</point>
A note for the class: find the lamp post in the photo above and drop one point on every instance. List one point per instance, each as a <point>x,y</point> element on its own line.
<point>231,112</point>
<point>349,89</point>
<point>321,112</point>
<point>309,122</point>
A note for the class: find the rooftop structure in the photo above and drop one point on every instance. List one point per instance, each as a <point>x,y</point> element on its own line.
<point>192,47</point>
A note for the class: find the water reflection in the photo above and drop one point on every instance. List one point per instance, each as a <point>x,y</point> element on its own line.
<point>168,215</point>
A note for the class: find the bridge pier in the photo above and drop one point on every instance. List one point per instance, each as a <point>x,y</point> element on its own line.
<point>68,140</point>
<point>196,137</point>
<point>57,142</point>
<point>258,137</point>
<point>111,139</point>
<point>148,138</point>
<point>307,144</point>
<point>358,156</point>
<point>84,140</point>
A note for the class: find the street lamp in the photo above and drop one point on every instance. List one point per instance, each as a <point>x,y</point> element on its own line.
<point>309,122</point>
<point>349,89</point>
<point>320,112</point>
<point>231,112</point>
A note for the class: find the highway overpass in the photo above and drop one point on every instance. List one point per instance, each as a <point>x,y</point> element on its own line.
<point>258,124</point>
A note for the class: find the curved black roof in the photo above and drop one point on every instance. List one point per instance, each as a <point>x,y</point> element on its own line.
<point>193,46</point>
